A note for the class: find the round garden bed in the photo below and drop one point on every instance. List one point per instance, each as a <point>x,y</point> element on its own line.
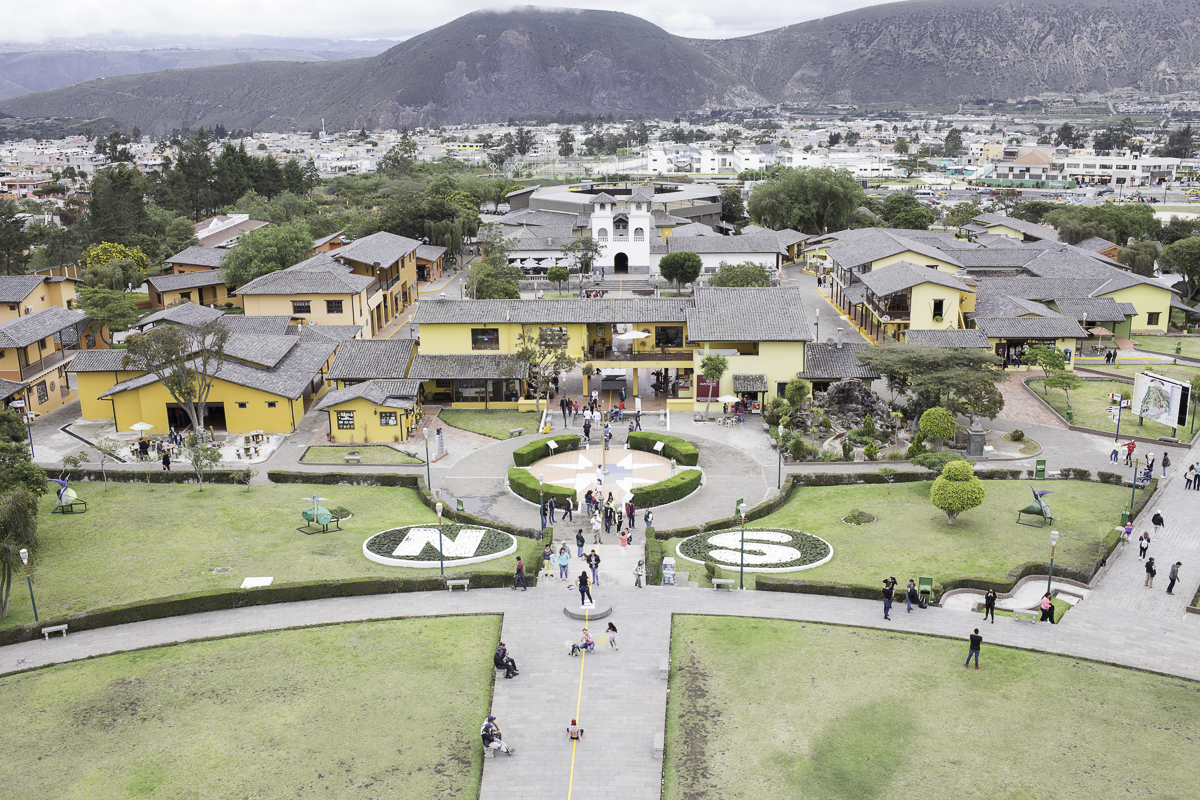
<point>417,545</point>
<point>767,549</point>
<point>859,518</point>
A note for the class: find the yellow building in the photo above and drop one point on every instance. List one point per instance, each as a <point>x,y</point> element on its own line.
<point>373,411</point>
<point>391,261</point>
<point>36,351</point>
<point>903,295</point>
<point>206,288</point>
<point>22,295</point>
<point>1013,228</point>
<point>195,259</point>
<point>1011,337</point>
<point>371,359</point>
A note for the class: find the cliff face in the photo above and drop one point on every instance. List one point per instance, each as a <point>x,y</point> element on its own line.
<point>539,62</point>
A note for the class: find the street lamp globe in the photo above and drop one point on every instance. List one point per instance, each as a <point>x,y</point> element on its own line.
<point>24,556</point>
<point>1053,538</point>
<point>438,508</point>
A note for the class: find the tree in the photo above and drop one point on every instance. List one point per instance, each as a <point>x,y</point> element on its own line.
<point>523,141</point>
<point>1067,136</point>
<point>902,210</point>
<point>566,143</point>
<point>934,462</point>
<point>1067,381</point>
<point>852,138</point>
<point>492,277</point>
<point>748,273</point>
<point>185,360</point>
<point>1050,359</point>
<point>732,208</point>
<point>558,275</point>
<point>117,208</point>
<point>1073,231</point>
<point>14,241</point>
<point>957,490</point>
<point>400,158</point>
<point>180,235</point>
<point>681,267</point>
<point>935,375</point>
<point>961,214</point>
<point>1140,257</point>
<point>18,531</point>
<point>900,147</point>
<point>938,424</point>
<point>835,139</point>
<point>953,144</point>
<point>192,177</point>
<point>114,265</point>
<point>111,309</point>
<point>1183,257</point>
<point>583,252</point>
<point>1180,143</point>
<point>809,199</point>
<point>979,399</point>
<point>265,250</point>
<point>713,367</point>
<point>540,357</point>
<point>108,449</point>
<point>12,426</point>
<point>796,391</point>
<point>18,471</point>
<point>202,456</point>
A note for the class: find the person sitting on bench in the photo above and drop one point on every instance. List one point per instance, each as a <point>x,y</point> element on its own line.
<point>502,660</point>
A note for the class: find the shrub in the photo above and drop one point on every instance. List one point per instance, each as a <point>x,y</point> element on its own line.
<point>335,478</point>
<point>868,425</point>
<point>711,570</point>
<point>341,512</point>
<point>668,491</point>
<point>871,451</point>
<point>847,450</point>
<point>1110,477</point>
<point>916,449</point>
<point>537,450</point>
<point>215,476</point>
<point>798,448</point>
<point>1016,435</point>
<point>525,485</point>
<point>684,452</point>
<point>937,461</point>
<point>826,423</point>
<point>896,455</point>
<point>654,558</point>
<point>777,410</point>
<point>796,391</point>
<point>957,489</point>
<point>938,424</point>
<point>861,436</point>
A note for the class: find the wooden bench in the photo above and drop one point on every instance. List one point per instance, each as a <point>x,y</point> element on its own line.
<point>658,744</point>
<point>352,459</point>
<point>664,668</point>
<point>719,582</point>
<point>54,629</point>
<point>465,583</point>
<point>515,432</point>
<point>1018,614</point>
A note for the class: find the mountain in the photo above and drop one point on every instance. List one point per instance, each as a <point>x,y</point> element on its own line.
<point>529,62</point>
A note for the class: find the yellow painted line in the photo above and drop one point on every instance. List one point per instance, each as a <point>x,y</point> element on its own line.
<point>578,703</point>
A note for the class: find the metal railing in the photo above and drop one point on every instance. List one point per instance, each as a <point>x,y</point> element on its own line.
<point>47,361</point>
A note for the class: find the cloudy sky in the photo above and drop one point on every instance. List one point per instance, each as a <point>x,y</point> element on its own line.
<point>369,19</point>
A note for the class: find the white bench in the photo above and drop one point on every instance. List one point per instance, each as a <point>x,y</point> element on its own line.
<point>664,668</point>
<point>54,629</point>
<point>658,744</point>
<point>465,583</point>
<point>1018,614</point>
<point>352,459</point>
<point>515,432</point>
<point>719,582</point>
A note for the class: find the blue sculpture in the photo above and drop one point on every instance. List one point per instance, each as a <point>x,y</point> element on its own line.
<point>1037,508</point>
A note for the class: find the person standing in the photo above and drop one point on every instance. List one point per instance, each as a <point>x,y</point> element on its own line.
<point>974,648</point>
<point>888,592</point>
<point>585,594</point>
<point>1143,545</point>
<point>548,560</point>
<point>565,404</point>
<point>1130,446</point>
<point>579,542</point>
<point>564,558</point>
<point>550,507</point>
<point>1150,464</point>
<point>587,425</point>
<point>1047,609</point>
<point>620,518</point>
<point>1189,477</point>
<point>1174,576</point>
<point>599,480</point>
<point>490,733</point>
<point>608,518</point>
<point>989,605</point>
<point>631,513</point>
<point>623,540</point>
<point>639,572</point>
<point>910,595</point>
<point>1116,450</point>
<point>1157,521</point>
<point>612,636</point>
<point>568,509</point>
<point>544,509</point>
<point>519,580</point>
<point>166,461</point>
<point>648,518</point>
<point>1166,462</point>
<point>593,562</point>
<point>596,538</point>
<point>1150,573</point>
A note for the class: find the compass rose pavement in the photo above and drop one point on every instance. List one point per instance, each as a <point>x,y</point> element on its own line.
<point>625,470</point>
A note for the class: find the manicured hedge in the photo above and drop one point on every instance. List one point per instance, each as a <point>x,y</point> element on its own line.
<point>770,583</point>
<point>525,485</point>
<point>153,470</point>
<point>668,491</point>
<point>654,558</point>
<point>537,450</point>
<point>683,452</point>
<point>408,481</point>
<point>223,599</point>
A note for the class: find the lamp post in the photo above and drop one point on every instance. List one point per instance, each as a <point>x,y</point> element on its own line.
<point>428,479</point>
<point>779,447</point>
<point>741,507</point>
<point>818,324</point>
<point>410,327</point>
<point>29,580</point>
<point>441,548</point>
<point>541,503</point>
<point>1053,541</point>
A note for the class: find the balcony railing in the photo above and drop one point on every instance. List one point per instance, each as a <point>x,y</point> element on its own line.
<point>50,360</point>
<point>893,312</point>
<point>608,354</point>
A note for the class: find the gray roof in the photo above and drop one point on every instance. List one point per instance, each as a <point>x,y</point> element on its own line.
<point>265,351</point>
<point>1030,328</point>
<point>466,365</point>
<point>186,280</point>
<point>274,325</point>
<point>383,248</point>
<point>830,362</point>
<point>693,229</point>
<point>198,256</point>
<point>749,383</point>
<point>1027,228</point>
<point>754,243</point>
<point>428,252</point>
<point>552,312</point>
<point>1091,309</point>
<point>24,331</point>
<point>1004,305</point>
<point>97,361</point>
<point>551,219</point>
<point>1095,244</point>
<point>318,242</point>
<point>308,281</point>
<point>390,394</point>
<point>332,333</point>
<point>603,197</point>
<point>959,337</point>
<point>904,275</point>
<point>370,359</point>
<point>996,256</point>
<point>9,388</point>
<point>15,288</point>
<point>748,315</point>
<point>1182,306</point>
<point>192,314</point>
<point>788,237</point>
<point>1130,310</point>
<point>857,247</point>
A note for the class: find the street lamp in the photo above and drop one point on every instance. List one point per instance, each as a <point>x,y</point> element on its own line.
<point>541,504</point>
<point>410,327</point>
<point>780,449</point>
<point>818,324</point>
<point>742,569</point>
<point>428,479</point>
<point>441,548</point>
<point>29,580</point>
<point>1053,541</point>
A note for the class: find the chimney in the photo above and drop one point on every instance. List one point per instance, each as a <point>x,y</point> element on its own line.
<point>839,339</point>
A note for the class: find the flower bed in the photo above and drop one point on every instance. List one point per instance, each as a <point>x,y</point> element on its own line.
<point>462,544</point>
<point>767,550</point>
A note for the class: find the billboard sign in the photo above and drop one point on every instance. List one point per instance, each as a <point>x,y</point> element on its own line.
<point>1159,399</point>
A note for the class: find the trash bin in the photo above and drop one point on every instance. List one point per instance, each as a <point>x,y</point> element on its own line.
<point>1070,414</point>
<point>668,571</point>
<point>1124,516</point>
<point>1039,468</point>
<point>1178,346</point>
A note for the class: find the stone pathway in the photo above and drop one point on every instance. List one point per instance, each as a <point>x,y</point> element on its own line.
<point>1021,406</point>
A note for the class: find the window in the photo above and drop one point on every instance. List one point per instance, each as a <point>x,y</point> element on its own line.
<point>301,307</point>
<point>552,336</point>
<point>1152,318</point>
<point>668,336</point>
<point>387,418</point>
<point>938,308</point>
<point>345,420</point>
<point>185,296</point>
<point>272,403</point>
<point>42,395</point>
<point>485,338</point>
<point>241,405</point>
<point>639,235</point>
<point>12,307</point>
<point>602,234</point>
<point>333,306</point>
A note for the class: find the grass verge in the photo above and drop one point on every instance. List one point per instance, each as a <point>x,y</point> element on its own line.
<point>873,714</point>
<point>370,454</point>
<point>1090,405</point>
<point>365,710</point>
<point>495,424</point>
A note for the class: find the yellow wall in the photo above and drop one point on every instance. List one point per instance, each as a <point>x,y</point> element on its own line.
<point>42,297</point>
<point>1146,299</point>
<point>456,338</point>
<point>915,258</point>
<point>778,361</point>
<point>94,384</point>
<point>354,307</point>
<point>149,404</point>
<point>201,295</point>
<point>921,315</point>
<point>364,411</point>
<point>1004,230</point>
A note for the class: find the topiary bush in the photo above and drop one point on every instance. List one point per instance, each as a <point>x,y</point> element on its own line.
<point>871,451</point>
<point>1016,435</point>
<point>668,491</point>
<point>684,452</point>
<point>826,423</point>
<point>847,450</point>
<point>537,450</point>
<point>957,490</point>
<point>937,461</point>
<point>525,485</point>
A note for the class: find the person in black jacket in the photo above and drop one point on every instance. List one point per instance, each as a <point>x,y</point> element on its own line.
<point>973,650</point>
<point>502,660</point>
<point>989,605</point>
<point>911,596</point>
<point>889,585</point>
<point>1151,571</point>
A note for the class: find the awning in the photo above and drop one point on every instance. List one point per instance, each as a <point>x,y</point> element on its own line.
<point>749,383</point>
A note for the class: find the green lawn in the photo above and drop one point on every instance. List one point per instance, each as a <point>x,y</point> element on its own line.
<point>495,424</point>
<point>136,544</point>
<point>1179,372</point>
<point>1190,346</point>
<point>365,710</point>
<point>1090,403</point>
<point>911,538</point>
<point>371,454</point>
<point>775,709</point>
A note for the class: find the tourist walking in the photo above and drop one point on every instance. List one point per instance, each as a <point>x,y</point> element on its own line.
<point>1150,573</point>
<point>637,420</point>
<point>973,649</point>
<point>593,562</point>
<point>490,733</point>
<point>1157,521</point>
<point>989,605</point>
<point>648,518</point>
<point>519,580</point>
<point>639,572</point>
<point>1166,462</point>
<point>1143,545</point>
<point>568,508</point>
<point>1189,477</point>
<point>599,479</point>
<point>609,514</point>
<point>544,511</point>
<point>631,513</point>
<point>889,585</point>
<point>910,595</point>
<point>623,540</point>
<point>166,462</point>
<point>579,542</point>
<point>584,591</point>
<point>564,558</point>
<point>620,519</point>
<point>587,425</point>
<point>596,538</point>
<point>1047,609</point>
<point>1174,576</point>
<point>612,636</point>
